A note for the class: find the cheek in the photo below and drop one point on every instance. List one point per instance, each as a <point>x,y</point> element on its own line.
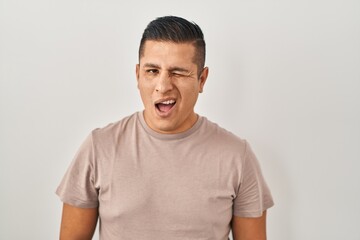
<point>145,93</point>
<point>190,95</point>
<point>145,87</point>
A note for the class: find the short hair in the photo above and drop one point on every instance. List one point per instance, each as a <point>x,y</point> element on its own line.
<point>177,30</point>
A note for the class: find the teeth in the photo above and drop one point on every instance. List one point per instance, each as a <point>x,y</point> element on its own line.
<point>168,102</point>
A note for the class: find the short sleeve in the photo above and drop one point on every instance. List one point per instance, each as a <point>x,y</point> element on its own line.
<point>253,196</point>
<point>77,187</point>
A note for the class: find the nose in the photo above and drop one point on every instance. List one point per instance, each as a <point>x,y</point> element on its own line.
<point>164,83</point>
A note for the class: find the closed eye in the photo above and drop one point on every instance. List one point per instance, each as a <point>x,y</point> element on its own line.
<point>179,74</point>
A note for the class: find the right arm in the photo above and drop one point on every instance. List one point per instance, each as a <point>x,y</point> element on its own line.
<point>78,223</point>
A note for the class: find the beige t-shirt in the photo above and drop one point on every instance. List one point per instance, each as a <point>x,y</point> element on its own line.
<point>149,185</point>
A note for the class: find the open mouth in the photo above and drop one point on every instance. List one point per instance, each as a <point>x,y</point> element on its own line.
<point>165,106</point>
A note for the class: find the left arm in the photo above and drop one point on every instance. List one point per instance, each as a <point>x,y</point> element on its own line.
<point>249,228</point>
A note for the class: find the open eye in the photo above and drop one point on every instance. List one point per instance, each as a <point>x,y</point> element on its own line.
<point>152,71</point>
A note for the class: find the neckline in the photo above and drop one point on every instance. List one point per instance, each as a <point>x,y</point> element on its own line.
<point>170,136</point>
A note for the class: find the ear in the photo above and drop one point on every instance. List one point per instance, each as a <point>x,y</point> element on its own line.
<point>137,71</point>
<point>202,79</point>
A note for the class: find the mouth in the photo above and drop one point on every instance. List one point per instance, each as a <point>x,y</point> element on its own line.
<point>165,107</point>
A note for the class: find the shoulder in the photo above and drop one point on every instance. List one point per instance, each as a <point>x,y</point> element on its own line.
<point>222,137</point>
<point>114,130</point>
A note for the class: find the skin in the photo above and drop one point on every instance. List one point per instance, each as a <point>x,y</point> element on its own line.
<point>249,228</point>
<point>78,223</point>
<point>166,71</point>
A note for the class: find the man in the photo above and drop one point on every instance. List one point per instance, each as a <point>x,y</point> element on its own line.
<point>165,172</point>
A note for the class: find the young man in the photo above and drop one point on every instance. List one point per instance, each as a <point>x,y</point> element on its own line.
<point>165,172</point>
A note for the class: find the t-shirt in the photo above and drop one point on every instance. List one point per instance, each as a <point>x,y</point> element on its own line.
<point>149,185</point>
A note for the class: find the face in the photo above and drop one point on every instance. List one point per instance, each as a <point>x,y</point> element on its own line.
<point>169,85</point>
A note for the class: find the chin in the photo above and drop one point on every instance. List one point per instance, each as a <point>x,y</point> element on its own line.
<point>166,129</point>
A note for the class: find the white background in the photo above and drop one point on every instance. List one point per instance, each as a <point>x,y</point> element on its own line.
<point>283,74</point>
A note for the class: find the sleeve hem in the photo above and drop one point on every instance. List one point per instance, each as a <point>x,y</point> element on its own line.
<point>78,203</point>
<point>254,214</point>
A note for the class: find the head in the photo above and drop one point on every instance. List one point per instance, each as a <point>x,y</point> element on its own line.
<point>176,30</point>
<point>171,73</point>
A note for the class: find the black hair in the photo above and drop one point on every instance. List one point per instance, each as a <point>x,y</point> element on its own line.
<point>177,30</point>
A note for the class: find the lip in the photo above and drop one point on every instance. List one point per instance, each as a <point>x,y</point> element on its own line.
<point>164,114</point>
<point>164,99</point>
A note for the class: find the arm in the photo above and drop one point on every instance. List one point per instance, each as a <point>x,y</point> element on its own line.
<point>249,228</point>
<point>78,223</point>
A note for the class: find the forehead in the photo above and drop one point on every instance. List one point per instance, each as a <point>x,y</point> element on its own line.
<point>162,52</point>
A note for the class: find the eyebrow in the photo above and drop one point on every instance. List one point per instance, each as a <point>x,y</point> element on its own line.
<point>151,65</point>
<point>171,69</point>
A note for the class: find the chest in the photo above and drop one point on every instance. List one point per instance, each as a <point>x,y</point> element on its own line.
<point>179,190</point>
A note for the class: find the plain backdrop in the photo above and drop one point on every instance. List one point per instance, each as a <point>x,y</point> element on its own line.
<point>284,74</point>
